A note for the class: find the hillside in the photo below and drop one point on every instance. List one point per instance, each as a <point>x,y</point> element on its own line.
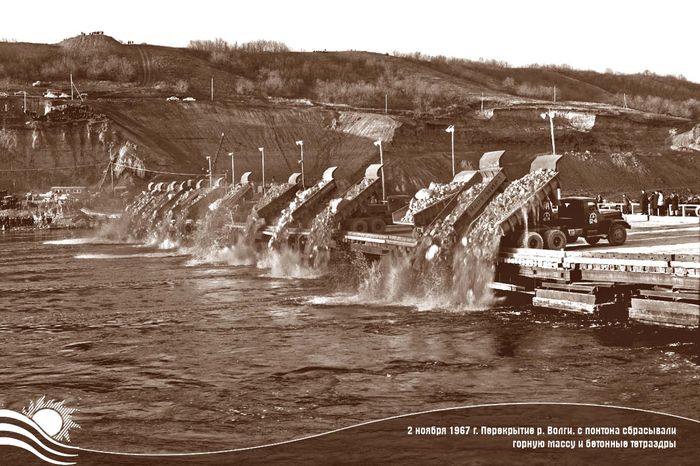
<point>334,102</point>
<point>412,82</point>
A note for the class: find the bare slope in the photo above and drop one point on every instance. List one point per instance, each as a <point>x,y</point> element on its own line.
<point>607,150</point>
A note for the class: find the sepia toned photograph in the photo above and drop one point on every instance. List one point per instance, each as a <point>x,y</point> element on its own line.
<point>349,233</point>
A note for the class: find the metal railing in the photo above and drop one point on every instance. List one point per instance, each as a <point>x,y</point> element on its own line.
<point>684,210</point>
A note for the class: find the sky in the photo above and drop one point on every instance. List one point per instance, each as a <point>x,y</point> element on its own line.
<point>624,36</point>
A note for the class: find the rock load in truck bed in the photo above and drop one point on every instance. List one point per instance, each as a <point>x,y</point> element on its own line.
<point>276,196</point>
<point>303,200</point>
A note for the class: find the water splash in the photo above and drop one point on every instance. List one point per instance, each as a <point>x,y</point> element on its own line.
<point>156,241</point>
<point>394,280</point>
<point>238,254</point>
<point>218,239</point>
<point>149,255</point>
<point>317,248</point>
<point>79,241</point>
<point>442,237</point>
<point>318,245</point>
<point>253,220</point>
<point>285,262</point>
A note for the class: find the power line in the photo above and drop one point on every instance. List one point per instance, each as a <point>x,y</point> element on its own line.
<point>72,167</point>
<point>50,168</point>
<point>158,171</point>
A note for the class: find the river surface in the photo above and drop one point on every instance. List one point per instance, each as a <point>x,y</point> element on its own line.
<point>162,354</point>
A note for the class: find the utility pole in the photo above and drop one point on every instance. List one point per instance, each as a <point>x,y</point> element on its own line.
<point>212,88</point>
<point>300,143</point>
<point>262,151</point>
<point>378,143</point>
<point>624,97</point>
<point>71,86</point>
<point>386,103</point>
<point>211,182</point>
<point>482,102</point>
<point>111,166</point>
<point>555,94</point>
<point>233,170</point>
<point>451,129</point>
<point>25,101</point>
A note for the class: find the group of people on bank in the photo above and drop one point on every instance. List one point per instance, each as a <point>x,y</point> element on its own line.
<point>655,203</point>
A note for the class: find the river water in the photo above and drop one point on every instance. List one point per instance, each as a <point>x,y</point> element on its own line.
<point>162,353</point>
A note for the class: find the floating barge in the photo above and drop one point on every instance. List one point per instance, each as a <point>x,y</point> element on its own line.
<point>657,289</point>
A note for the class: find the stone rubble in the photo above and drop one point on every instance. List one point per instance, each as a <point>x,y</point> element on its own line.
<point>435,192</point>
<point>286,216</point>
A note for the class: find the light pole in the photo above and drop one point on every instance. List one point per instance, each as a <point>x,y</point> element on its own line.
<point>233,170</point>
<point>111,165</point>
<point>378,143</point>
<point>300,143</point>
<point>262,151</point>
<point>451,129</point>
<point>211,183</point>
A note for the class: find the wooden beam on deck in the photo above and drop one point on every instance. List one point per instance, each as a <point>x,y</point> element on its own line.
<point>665,313</point>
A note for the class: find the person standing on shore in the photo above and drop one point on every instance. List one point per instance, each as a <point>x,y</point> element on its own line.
<point>660,204</point>
<point>626,205</point>
<point>644,203</point>
<point>674,204</point>
<point>653,203</point>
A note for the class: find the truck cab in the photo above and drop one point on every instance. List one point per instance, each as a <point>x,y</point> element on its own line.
<point>581,217</point>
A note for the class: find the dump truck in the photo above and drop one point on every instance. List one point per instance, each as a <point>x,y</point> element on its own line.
<point>361,209</point>
<point>577,217</point>
<point>553,222</point>
<point>271,204</point>
<point>489,169</point>
<point>302,209</point>
<point>311,205</point>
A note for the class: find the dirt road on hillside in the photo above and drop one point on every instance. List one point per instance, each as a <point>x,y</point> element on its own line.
<point>146,63</point>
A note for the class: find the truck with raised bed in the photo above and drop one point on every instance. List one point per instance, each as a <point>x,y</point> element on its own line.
<point>546,220</point>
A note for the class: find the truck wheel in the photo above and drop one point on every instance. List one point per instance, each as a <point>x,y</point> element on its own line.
<point>377,225</point>
<point>617,235</point>
<point>532,240</point>
<point>555,239</point>
<point>592,240</point>
<point>360,225</point>
<point>571,239</point>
